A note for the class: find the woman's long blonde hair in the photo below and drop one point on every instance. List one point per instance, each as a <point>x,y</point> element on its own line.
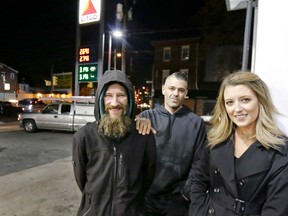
<point>267,132</point>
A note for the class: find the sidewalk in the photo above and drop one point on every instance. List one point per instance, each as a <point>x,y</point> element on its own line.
<point>48,190</point>
<point>7,125</point>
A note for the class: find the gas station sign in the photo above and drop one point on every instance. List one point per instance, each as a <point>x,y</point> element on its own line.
<point>89,11</point>
<point>87,72</point>
<point>87,54</point>
<point>84,55</point>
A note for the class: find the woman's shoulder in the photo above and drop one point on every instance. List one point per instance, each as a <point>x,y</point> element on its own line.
<point>282,149</point>
<point>281,154</point>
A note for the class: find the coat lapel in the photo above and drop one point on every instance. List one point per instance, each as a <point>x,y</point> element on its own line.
<point>223,157</point>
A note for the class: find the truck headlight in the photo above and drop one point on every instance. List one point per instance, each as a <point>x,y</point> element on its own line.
<point>19,117</point>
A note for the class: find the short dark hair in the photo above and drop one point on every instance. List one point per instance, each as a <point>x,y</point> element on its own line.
<point>181,75</point>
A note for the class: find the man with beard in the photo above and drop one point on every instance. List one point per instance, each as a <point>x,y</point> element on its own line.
<point>113,164</point>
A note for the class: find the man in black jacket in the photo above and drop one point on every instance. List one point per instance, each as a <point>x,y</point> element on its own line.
<point>114,165</point>
<point>180,138</point>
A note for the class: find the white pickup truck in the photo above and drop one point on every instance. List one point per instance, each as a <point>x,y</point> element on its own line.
<point>58,116</point>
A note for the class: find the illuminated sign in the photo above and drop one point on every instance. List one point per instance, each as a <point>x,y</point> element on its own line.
<point>62,80</point>
<point>89,11</point>
<point>84,55</point>
<point>87,54</point>
<point>87,72</point>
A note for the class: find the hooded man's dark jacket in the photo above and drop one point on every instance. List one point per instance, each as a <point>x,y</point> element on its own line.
<point>113,175</point>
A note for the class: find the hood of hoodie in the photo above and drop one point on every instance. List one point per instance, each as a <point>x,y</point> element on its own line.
<point>110,77</point>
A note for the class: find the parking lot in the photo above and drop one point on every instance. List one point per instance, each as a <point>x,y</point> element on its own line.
<point>45,188</point>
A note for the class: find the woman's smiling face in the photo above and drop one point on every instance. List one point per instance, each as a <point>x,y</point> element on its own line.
<point>242,106</point>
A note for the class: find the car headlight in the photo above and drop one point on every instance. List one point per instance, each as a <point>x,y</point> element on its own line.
<point>19,117</point>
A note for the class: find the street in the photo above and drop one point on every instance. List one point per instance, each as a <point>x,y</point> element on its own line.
<point>36,175</point>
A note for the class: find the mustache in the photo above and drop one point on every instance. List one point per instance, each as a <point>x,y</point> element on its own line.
<point>119,106</point>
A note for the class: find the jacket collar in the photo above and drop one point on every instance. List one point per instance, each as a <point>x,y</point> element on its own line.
<point>184,109</point>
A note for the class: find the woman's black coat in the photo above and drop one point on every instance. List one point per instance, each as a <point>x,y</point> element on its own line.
<point>260,188</point>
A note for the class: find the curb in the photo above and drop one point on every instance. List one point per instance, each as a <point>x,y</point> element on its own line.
<point>10,126</point>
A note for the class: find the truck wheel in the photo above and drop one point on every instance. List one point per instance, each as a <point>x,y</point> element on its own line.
<point>30,126</point>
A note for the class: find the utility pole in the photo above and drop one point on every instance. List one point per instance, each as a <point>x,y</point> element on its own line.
<point>121,18</point>
<point>77,45</point>
<point>101,42</point>
<point>123,14</point>
<point>115,59</point>
<point>123,65</point>
<point>246,46</point>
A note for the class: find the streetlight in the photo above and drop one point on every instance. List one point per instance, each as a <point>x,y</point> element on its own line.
<point>116,34</point>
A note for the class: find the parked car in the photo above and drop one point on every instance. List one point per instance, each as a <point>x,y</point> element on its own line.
<point>8,110</point>
<point>58,116</point>
<point>31,104</point>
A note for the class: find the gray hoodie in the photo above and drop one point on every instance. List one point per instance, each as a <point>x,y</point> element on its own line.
<point>109,77</point>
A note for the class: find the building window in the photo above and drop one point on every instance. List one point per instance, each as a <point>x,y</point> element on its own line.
<point>12,76</point>
<point>185,52</point>
<point>165,74</point>
<point>166,54</point>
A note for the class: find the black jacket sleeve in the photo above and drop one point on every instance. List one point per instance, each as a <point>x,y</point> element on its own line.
<point>200,185</point>
<point>79,160</point>
<point>277,189</point>
<point>200,143</point>
<point>150,162</point>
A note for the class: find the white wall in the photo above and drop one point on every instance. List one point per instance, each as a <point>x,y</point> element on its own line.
<point>270,57</point>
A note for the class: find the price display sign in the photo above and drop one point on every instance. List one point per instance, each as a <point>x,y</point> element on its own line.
<point>87,72</point>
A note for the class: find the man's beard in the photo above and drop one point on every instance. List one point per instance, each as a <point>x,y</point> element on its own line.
<point>115,127</point>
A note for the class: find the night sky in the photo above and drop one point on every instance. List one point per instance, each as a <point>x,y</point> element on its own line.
<point>38,37</point>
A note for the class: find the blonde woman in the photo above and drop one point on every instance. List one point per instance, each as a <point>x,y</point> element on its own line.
<point>244,169</point>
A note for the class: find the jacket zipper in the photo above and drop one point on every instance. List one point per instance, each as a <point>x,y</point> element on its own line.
<point>120,172</point>
<point>114,179</point>
<point>85,213</point>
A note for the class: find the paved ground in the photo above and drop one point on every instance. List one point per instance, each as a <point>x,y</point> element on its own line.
<point>48,190</point>
<point>9,126</point>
